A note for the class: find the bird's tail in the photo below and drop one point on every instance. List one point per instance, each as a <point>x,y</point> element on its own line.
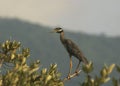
<point>82,58</point>
<point>85,60</point>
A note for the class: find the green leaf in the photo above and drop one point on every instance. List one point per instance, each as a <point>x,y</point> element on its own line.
<point>103,72</point>
<point>88,68</point>
<point>110,69</point>
<point>118,68</point>
<point>115,82</point>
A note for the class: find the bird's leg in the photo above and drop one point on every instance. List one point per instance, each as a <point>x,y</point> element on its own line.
<point>70,67</point>
<point>76,71</point>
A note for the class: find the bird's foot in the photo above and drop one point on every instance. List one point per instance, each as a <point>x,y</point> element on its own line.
<point>68,77</point>
<point>77,72</point>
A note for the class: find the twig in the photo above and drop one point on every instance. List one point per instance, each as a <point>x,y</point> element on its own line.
<point>1,62</point>
<point>119,82</point>
<point>71,76</point>
<point>8,64</point>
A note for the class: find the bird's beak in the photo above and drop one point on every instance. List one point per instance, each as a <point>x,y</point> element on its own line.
<point>53,31</point>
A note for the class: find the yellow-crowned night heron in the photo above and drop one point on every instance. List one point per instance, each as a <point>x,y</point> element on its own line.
<point>72,49</point>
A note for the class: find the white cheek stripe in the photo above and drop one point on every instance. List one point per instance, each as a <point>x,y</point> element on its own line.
<point>60,30</point>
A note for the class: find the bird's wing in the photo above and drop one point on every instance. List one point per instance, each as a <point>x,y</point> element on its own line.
<point>73,49</point>
<point>71,46</point>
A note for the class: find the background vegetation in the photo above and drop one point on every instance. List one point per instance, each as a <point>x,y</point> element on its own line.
<point>19,73</point>
<point>22,74</point>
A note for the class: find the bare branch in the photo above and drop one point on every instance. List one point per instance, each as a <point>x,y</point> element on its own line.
<point>72,76</point>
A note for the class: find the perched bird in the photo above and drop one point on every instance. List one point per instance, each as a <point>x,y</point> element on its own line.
<point>72,49</point>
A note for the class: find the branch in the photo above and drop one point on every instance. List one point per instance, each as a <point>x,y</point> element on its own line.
<point>71,76</point>
<point>1,62</point>
<point>8,64</point>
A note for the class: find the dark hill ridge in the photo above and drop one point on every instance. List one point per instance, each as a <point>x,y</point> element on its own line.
<point>47,47</point>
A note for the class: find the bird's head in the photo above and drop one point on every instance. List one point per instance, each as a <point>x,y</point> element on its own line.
<point>58,30</point>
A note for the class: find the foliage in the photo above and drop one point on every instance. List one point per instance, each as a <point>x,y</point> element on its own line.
<point>116,82</point>
<point>103,78</point>
<point>19,73</point>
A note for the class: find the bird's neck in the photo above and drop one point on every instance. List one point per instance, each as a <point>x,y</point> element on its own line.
<point>62,38</point>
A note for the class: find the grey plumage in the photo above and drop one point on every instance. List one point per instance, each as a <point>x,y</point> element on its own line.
<point>73,50</point>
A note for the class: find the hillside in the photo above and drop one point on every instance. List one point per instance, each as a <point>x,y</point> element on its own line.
<point>46,46</point>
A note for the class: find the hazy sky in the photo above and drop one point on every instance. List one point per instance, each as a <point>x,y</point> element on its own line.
<point>91,16</point>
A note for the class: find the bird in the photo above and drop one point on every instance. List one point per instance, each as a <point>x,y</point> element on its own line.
<point>72,49</point>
